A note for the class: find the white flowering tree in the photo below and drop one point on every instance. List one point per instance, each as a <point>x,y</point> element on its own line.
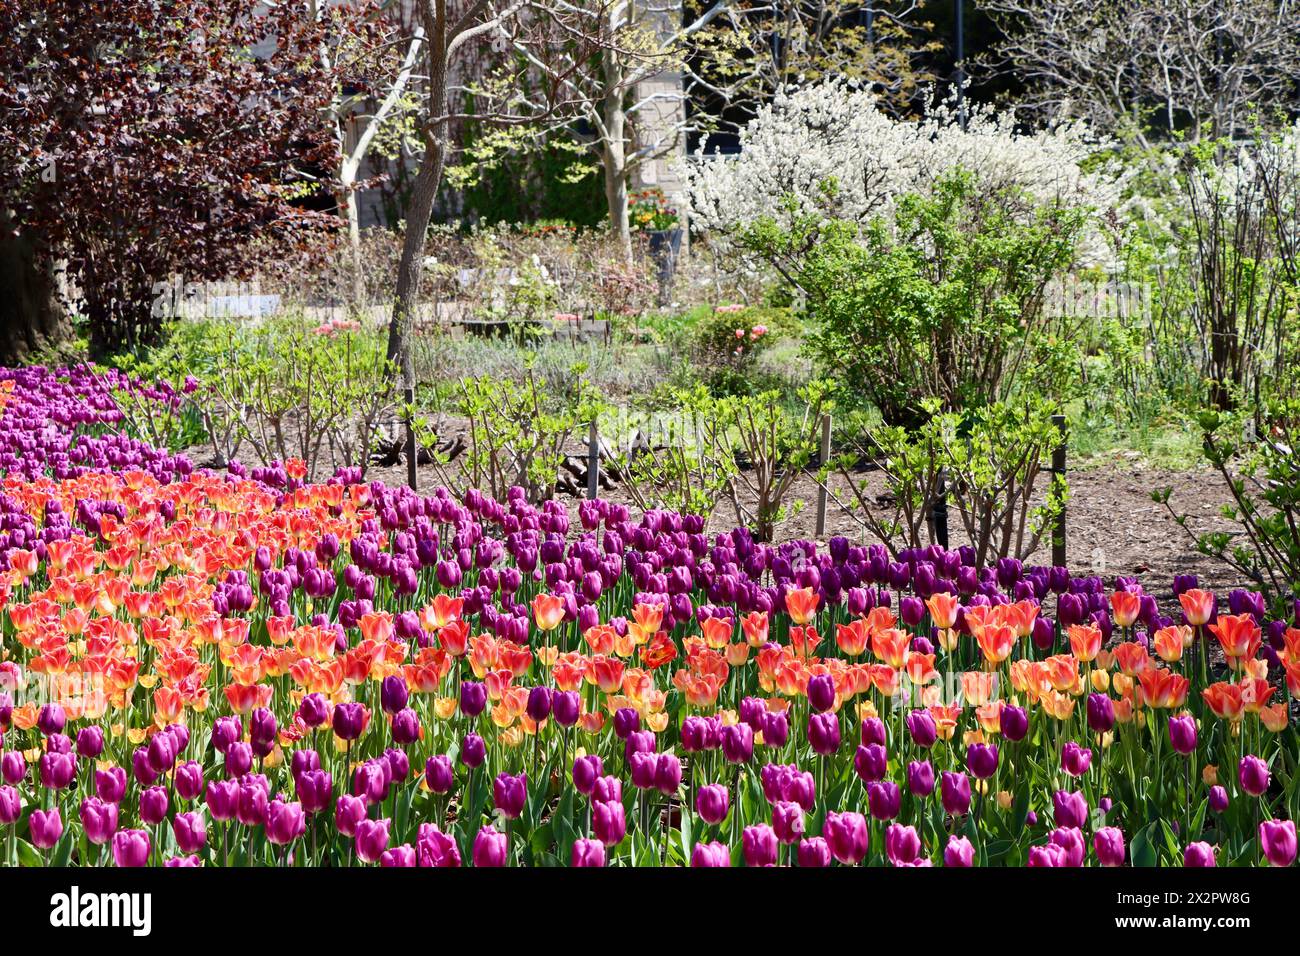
<point>829,150</point>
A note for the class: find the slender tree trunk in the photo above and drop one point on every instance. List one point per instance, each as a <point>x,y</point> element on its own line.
<point>424,194</point>
<point>614,150</point>
<point>347,200</point>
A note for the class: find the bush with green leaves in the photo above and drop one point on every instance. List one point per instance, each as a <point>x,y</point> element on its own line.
<point>989,462</point>
<point>729,341</point>
<point>745,450</point>
<point>492,433</point>
<point>284,387</point>
<point>1254,451</point>
<point>944,300</point>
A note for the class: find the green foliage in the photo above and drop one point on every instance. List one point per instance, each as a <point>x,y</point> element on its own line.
<point>730,341</point>
<point>1254,452</point>
<point>503,181</point>
<point>284,387</point>
<point>989,462</point>
<point>514,433</point>
<point>747,451</point>
<point>944,301</point>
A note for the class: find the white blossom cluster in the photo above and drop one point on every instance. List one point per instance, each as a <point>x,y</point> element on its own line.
<point>833,132</point>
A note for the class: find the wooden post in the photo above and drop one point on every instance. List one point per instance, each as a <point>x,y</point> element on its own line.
<point>1058,477</point>
<point>593,462</point>
<point>821,488</point>
<point>939,511</point>
<point>408,396</point>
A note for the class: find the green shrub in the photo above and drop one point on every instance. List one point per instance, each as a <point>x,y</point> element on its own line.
<point>1254,452</point>
<point>989,463</point>
<point>943,301</point>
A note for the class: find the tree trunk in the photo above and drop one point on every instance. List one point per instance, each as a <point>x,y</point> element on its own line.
<point>614,150</point>
<point>347,200</point>
<point>31,315</point>
<point>424,194</point>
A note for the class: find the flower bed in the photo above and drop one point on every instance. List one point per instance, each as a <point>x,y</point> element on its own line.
<point>229,670</point>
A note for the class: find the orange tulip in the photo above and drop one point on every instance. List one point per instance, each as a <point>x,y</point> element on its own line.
<point>754,627</point>
<point>717,631</point>
<point>891,646</point>
<point>1255,694</point>
<point>1085,641</point>
<point>1126,605</point>
<point>646,621</point>
<point>548,611</point>
<point>1224,700</point>
<point>943,609</point>
<point>1274,718</point>
<point>1239,636</point>
<point>1132,657</point>
<point>1170,642</point>
<point>996,641</point>
<point>920,669</point>
<point>801,603</point>
<point>852,638</point>
<point>1198,606</point>
<point>1162,689</point>
<point>606,673</point>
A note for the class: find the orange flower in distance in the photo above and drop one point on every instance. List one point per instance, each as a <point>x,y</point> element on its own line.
<point>646,621</point>
<point>717,632</point>
<point>1274,718</point>
<point>1162,689</point>
<point>1085,641</point>
<point>754,626</point>
<point>890,645</point>
<point>548,611</point>
<point>943,609</point>
<point>1170,642</point>
<point>1224,700</point>
<point>1198,606</point>
<point>852,638</point>
<point>1132,657</point>
<point>1239,636</point>
<point>996,641</point>
<point>1125,605</point>
<point>801,603</point>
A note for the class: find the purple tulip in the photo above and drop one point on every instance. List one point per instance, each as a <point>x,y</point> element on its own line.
<point>131,848</point>
<point>709,855</point>
<point>847,835</point>
<point>759,845</point>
